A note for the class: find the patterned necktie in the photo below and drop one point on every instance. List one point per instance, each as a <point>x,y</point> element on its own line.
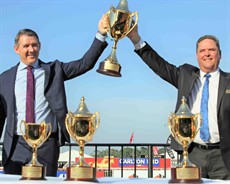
<point>30,96</point>
<point>204,129</point>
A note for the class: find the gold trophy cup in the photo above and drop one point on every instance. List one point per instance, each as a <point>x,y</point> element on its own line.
<point>184,126</point>
<point>81,126</point>
<point>35,135</point>
<point>121,23</point>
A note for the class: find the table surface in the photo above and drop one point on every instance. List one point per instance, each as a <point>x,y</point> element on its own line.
<point>13,179</point>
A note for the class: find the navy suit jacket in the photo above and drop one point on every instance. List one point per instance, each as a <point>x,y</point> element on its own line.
<point>183,78</point>
<point>56,73</point>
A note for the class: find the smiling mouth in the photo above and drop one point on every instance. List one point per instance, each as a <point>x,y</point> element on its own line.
<point>31,56</point>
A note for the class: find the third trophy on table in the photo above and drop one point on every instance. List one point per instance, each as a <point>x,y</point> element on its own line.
<point>81,126</point>
<point>184,126</point>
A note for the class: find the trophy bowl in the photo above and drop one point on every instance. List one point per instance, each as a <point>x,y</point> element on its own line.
<point>35,135</point>
<point>184,126</point>
<point>120,24</point>
<point>81,127</point>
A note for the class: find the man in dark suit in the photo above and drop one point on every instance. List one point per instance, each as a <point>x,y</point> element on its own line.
<point>50,98</point>
<point>211,155</point>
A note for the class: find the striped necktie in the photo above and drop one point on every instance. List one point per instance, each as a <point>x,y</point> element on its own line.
<point>30,93</point>
<point>204,129</point>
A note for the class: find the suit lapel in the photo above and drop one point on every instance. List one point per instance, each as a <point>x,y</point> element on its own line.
<point>195,75</point>
<point>189,86</point>
<point>222,86</point>
<point>11,86</point>
<point>47,74</point>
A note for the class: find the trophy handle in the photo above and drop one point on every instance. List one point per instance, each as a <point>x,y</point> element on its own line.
<point>135,23</point>
<point>97,118</point>
<point>69,124</point>
<point>108,31</point>
<point>23,133</point>
<point>49,128</point>
<point>198,121</point>
<point>171,123</point>
<point>68,119</point>
<point>45,132</point>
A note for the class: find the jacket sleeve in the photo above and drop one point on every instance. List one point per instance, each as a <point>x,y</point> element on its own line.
<point>87,62</point>
<point>2,115</point>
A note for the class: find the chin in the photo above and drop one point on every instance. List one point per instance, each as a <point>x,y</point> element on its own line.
<point>32,61</point>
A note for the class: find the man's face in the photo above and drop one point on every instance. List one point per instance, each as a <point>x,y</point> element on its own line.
<point>28,49</point>
<point>208,55</point>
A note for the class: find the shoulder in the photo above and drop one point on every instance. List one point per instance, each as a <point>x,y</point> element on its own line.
<point>187,66</point>
<point>50,64</point>
<point>9,72</point>
<point>225,74</point>
<point>188,70</point>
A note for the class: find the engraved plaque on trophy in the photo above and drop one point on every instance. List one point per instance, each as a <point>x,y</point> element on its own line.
<point>81,126</point>
<point>184,126</point>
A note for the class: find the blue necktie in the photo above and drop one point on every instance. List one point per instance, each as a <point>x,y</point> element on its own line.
<point>30,96</point>
<point>204,129</point>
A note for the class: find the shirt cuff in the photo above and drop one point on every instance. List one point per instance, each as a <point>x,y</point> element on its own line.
<point>101,37</point>
<point>140,44</point>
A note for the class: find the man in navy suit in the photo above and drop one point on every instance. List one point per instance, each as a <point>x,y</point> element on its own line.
<point>50,99</point>
<point>213,155</point>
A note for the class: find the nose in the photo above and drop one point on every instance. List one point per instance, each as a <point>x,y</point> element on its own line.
<point>31,48</point>
<point>207,53</point>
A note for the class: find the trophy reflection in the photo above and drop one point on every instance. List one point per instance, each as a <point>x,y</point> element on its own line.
<point>35,135</point>
<point>81,126</point>
<point>184,126</point>
<point>120,24</point>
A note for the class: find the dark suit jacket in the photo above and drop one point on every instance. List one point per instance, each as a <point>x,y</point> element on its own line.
<point>56,73</point>
<point>183,78</point>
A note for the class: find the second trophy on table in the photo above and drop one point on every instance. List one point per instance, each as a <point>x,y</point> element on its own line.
<point>184,126</point>
<point>81,126</point>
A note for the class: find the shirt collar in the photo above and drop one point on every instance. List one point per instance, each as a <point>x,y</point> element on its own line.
<point>216,72</point>
<point>22,65</point>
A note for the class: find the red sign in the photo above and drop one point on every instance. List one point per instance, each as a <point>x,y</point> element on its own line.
<point>128,162</point>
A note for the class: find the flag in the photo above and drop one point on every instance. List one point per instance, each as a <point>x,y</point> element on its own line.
<point>131,138</point>
<point>155,150</point>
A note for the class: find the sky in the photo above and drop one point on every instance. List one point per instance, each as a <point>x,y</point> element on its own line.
<point>139,101</point>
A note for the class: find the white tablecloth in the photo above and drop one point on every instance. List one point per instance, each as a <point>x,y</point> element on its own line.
<point>15,179</point>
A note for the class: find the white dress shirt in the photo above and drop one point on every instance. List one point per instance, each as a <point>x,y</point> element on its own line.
<point>195,101</point>
<point>42,108</point>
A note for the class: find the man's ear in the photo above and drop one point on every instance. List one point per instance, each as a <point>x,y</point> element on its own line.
<point>16,48</point>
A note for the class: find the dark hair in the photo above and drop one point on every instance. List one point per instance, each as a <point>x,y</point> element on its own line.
<point>215,39</point>
<point>27,32</point>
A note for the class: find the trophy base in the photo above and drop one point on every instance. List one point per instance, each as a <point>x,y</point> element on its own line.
<point>186,175</point>
<point>109,68</point>
<point>76,173</point>
<point>33,173</point>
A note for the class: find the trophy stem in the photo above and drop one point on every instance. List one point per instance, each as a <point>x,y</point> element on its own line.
<point>81,162</point>
<point>113,56</point>
<point>34,161</point>
<point>115,44</point>
<point>185,162</point>
<point>81,153</point>
<point>34,156</point>
<point>110,65</point>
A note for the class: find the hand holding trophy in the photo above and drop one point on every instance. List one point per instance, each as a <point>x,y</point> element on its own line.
<point>121,23</point>
<point>184,126</point>
<point>81,126</point>
<point>35,135</point>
